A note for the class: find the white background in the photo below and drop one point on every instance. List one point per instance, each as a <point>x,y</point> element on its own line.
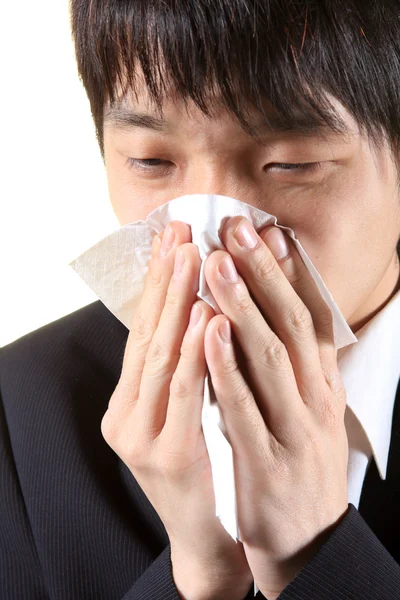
<point>54,196</point>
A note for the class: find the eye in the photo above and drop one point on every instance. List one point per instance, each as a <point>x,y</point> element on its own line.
<point>314,166</point>
<point>147,164</point>
<point>159,165</point>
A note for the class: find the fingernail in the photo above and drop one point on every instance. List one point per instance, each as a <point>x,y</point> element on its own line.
<point>276,242</point>
<point>228,270</point>
<point>245,235</point>
<point>195,315</point>
<point>179,262</point>
<point>224,332</point>
<point>167,240</point>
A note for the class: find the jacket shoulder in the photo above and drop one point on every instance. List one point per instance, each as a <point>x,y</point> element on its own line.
<point>88,338</point>
<point>74,324</point>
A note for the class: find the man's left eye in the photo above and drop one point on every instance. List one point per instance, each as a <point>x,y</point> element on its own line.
<point>296,166</point>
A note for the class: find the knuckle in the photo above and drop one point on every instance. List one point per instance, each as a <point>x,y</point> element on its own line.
<point>241,401</point>
<point>330,418</point>
<point>179,388</point>
<point>265,268</point>
<point>172,300</point>
<point>156,278</point>
<point>136,454</point>
<point>293,275</point>
<point>278,457</point>
<point>141,328</point>
<point>188,350</point>
<point>131,446</point>
<point>170,467</point>
<point>173,460</point>
<point>300,320</point>
<point>160,360</point>
<point>329,412</point>
<point>228,367</point>
<point>334,380</point>
<point>243,303</point>
<point>108,427</point>
<point>157,349</point>
<point>124,397</point>
<point>309,439</point>
<point>274,354</point>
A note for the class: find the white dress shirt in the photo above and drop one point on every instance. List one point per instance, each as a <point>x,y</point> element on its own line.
<point>370,370</point>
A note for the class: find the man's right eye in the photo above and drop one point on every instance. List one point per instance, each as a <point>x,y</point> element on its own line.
<point>146,163</point>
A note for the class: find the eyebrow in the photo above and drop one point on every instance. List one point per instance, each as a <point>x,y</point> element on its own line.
<point>125,119</point>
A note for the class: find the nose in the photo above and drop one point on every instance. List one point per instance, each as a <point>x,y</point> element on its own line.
<point>223,182</point>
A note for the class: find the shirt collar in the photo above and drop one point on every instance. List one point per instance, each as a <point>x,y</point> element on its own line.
<point>370,370</point>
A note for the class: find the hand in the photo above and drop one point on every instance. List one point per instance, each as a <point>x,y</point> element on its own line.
<point>283,402</point>
<point>153,422</point>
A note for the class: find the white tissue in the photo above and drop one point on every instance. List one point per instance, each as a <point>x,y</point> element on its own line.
<point>115,269</point>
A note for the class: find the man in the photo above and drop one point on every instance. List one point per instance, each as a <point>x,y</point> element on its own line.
<point>107,493</point>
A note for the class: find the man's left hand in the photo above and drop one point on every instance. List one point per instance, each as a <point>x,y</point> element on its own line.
<point>283,402</point>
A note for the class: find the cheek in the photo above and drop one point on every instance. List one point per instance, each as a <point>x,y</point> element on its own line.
<point>130,201</point>
<point>350,236</point>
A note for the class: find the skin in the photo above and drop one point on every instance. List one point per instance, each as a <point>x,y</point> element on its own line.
<point>346,216</point>
<point>284,392</point>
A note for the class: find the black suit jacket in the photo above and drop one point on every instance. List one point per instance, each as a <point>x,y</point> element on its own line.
<point>74,523</point>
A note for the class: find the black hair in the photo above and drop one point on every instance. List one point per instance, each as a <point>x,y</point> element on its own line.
<point>288,52</point>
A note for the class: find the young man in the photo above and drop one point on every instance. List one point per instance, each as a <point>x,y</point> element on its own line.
<point>293,108</point>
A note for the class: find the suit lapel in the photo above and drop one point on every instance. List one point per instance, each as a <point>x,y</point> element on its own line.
<point>380,499</point>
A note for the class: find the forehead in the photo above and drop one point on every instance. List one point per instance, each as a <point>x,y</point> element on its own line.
<point>136,108</point>
<point>132,95</point>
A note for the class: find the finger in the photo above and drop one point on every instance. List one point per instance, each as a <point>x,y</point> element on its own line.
<point>306,288</point>
<point>164,350</point>
<point>147,314</point>
<point>279,302</point>
<point>183,420</point>
<point>244,423</point>
<point>268,364</point>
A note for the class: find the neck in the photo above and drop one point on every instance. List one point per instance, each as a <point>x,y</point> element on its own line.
<point>387,288</point>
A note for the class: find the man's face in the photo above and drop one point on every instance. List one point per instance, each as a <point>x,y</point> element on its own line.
<point>345,213</point>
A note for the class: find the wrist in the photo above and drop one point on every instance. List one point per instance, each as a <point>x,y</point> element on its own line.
<point>198,582</point>
<point>205,590</point>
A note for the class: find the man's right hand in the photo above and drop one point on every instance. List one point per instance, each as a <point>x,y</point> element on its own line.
<point>153,423</point>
